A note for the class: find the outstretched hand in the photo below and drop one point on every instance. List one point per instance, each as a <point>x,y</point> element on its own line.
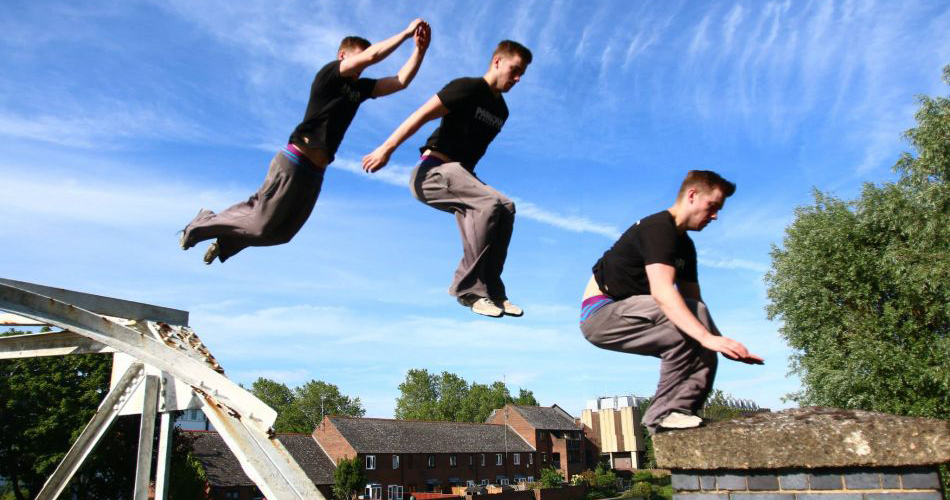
<point>422,35</point>
<point>413,25</point>
<point>731,349</point>
<point>376,160</point>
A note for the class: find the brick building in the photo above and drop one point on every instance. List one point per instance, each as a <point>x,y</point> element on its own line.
<point>556,436</point>
<point>227,481</point>
<point>403,456</point>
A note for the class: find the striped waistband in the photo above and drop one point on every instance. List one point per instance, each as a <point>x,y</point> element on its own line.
<point>592,304</point>
<point>296,156</point>
<point>430,161</point>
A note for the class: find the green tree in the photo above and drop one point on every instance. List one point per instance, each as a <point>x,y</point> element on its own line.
<point>717,407</point>
<point>525,398</point>
<point>349,478</point>
<point>551,478</point>
<point>301,409</point>
<point>863,287</point>
<point>281,398</point>
<point>44,404</point>
<point>418,396</point>
<point>448,397</point>
<point>316,399</point>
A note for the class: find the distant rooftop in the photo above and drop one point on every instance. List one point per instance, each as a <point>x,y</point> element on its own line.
<point>551,418</point>
<point>224,470</point>
<point>376,435</point>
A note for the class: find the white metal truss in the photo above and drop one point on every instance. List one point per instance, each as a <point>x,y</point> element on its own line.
<point>156,355</point>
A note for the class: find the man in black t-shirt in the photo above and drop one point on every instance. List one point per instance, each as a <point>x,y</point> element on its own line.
<point>643,298</point>
<point>281,206</point>
<point>473,111</point>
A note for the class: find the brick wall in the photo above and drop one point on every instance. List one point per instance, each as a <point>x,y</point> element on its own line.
<point>849,483</point>
<point>330,439</point>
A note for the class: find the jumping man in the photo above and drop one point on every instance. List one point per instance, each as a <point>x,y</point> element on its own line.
<point>275,213</point>
<point>644,299</point>
<point>473,111</point>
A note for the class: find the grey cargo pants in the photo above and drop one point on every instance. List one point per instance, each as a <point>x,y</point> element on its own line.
<point>485,218</point>
<point>271,216</point>
<point>687,369</point>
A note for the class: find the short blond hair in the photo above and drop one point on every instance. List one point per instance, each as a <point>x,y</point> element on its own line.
<point>706,180</point>
<point>512,48</point>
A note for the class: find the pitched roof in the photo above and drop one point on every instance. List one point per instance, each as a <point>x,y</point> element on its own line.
<point>223,468</point>
<point>376,435</point>
<point>551,418</point>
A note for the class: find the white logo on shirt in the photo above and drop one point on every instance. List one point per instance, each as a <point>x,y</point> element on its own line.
<point>482,115</point>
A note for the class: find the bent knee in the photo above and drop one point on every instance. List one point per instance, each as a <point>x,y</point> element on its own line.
<point>504,205</point>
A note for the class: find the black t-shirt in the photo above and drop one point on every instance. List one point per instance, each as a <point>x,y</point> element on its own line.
<point>475,117</point>
<point>622,273</point>
<point>334,100</point>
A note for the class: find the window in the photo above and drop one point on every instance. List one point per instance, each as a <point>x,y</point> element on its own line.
<point>453,460</point>
<point>232,494</point>
<point>374,491</point>
<point>483,459</point>
<point>484,482</point>
<point>499,459</point>
<point>395,492</point>
<point>544,457</point>
<point>503,481</point>
<point>471,460</point>
<point>470,483</point>
<point>370,462</point>
<point>517,459</point>
<point>395,461</point>
<point>431,461</point>
<point>530,458</point>
<point>530,479</point>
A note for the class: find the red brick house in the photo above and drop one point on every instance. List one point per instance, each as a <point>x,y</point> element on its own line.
<point>404,456</point>
<point>556,436</point>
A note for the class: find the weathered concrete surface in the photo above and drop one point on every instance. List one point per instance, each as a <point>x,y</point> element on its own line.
<point>807,437</point>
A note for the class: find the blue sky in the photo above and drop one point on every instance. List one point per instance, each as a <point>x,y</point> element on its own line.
<point>120,119</point>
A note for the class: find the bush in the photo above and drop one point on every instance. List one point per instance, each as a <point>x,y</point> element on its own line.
<point>551,478</point>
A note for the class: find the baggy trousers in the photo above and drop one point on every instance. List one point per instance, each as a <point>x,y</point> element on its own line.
<point>485,218</point>
<point>637,325</point>
<point>271,216</point>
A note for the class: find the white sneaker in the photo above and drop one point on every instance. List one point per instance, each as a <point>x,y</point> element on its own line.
<point>212,253</point>
<point>508,308</point>
<point>679,420</point>
<point>485,307</point>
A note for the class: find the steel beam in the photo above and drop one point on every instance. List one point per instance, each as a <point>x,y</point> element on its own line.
<point>34,345</point>
<point>90,436</point>
<point>14,320</point>
<point>143,462</point>
<point>146,349</point>
<point>264,459</point>
<point>107,306</point>
<point>164,456</point>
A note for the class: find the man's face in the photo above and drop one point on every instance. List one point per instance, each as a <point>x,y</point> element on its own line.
<point>704,207</point>
<point>509,69</point>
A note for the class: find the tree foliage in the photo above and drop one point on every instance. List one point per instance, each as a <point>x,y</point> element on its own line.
<point>551,478</point>
<point>349,478</point>
<point>44,404</point>
<point>302,409</point>
<point>863,286</point>
<point>449,398</point>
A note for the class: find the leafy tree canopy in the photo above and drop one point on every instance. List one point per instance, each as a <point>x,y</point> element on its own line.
<point>449,398</point>
<point>863,286</point>
<point>349,478</point>
<point>44,404</point>
<point>302,408</point>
